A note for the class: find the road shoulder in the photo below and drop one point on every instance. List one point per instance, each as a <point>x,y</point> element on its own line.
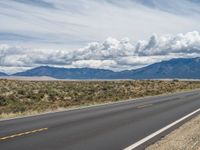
<point>186,137</point>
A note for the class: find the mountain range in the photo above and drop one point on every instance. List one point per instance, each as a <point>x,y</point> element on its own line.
<point>3,74</point>
<point>68,73</point>
<point>181,68</point>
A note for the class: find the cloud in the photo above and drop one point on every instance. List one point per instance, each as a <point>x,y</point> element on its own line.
<point>38,3</point>
<point>72,24</point>
<point>111,54</point>
<point>105,64</point>
<point>181,43</point>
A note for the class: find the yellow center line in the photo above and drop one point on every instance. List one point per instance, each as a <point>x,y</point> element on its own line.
<point>23,133</point>
<point>143,106</point>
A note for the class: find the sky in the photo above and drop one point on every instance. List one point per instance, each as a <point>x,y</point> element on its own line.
<point>108,34</point>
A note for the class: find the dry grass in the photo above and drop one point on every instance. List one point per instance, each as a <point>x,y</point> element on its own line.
<point>27,97</point>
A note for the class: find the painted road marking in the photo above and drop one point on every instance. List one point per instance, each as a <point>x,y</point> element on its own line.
<point>142,141</point>
<point>23,133</point>
<point>143,106</point>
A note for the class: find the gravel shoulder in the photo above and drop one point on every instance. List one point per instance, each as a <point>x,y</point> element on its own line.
<point>187,137</point>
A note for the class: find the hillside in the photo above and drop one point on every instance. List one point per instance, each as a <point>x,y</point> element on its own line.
<point>182,68</point>
<point>2,74</point>
<point>64,73</point>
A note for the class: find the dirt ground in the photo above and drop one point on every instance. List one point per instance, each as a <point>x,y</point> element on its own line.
<point>187,137</point>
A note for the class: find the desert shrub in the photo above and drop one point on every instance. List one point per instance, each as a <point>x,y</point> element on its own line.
<point>23,96</point>
<point>3,101</point>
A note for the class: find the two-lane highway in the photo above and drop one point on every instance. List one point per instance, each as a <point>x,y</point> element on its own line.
<point>106,127</point>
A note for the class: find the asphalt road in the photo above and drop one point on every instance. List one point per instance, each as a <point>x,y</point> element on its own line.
<point>108,127</point>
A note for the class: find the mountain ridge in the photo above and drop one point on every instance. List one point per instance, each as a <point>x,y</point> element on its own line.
<point>67,73</point>
<point>3,74</point>
<point>182,68</point>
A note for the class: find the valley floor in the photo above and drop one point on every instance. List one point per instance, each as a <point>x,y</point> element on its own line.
<point>22,97</point>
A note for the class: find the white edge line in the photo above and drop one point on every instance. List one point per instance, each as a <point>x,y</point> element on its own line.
<point>103,104</point>
<point>135,145</point>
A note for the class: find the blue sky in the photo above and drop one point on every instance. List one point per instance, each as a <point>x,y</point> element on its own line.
<point>67,32</point>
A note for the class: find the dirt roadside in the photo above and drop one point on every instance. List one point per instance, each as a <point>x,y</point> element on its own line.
<point>187,137</point>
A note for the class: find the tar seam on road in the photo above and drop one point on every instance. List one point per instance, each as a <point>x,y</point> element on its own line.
<point>21,134</point>
<point>144,106</point>
<point>142,141</point>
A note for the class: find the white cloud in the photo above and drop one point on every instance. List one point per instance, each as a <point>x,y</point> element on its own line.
<point>111,54</point>
<point>72,24</point>
<point>106,64</point>
<point>181,43</point>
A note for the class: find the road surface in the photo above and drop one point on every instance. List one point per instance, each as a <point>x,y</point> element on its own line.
<point>106,127</point>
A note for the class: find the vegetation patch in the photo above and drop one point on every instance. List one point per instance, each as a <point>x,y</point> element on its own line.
<point>24,97</point>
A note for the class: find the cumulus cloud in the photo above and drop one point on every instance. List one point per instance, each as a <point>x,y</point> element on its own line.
<point>181,43</point>
<point>111,54</point>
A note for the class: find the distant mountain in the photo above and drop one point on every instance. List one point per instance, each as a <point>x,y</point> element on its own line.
<point>3,74</point>
<point>183,68</point>
<point>65,73</point>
